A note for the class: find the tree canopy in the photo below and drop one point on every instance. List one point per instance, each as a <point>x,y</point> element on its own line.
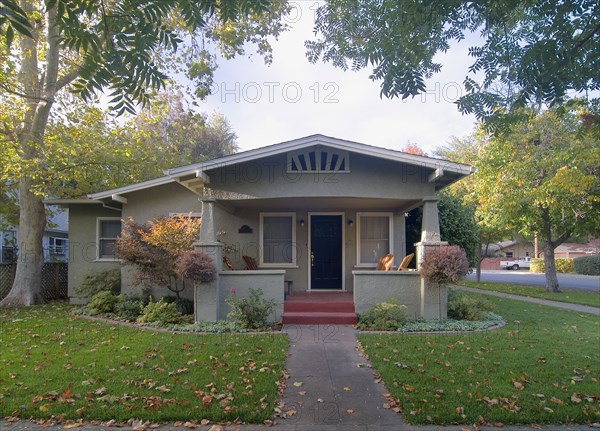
<point>542,176</point>
<point>532,52</point>
<point>126,50</point>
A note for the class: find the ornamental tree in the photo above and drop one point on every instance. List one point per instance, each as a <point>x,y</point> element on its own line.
<point>161,252</point>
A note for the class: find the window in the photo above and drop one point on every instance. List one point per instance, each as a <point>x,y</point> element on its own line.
<point>509,254</point>
<point>278,239</point>
<point>58,246</point>
<point>108,231</point>
<point>375,233</point>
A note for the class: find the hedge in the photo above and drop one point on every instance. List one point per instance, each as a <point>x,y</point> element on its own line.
<point>587,265</point>
<point>562,265</point>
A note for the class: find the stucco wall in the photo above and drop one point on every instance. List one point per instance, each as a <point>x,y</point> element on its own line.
<point>269,281</point>
<point>83,247</point>
<point>374,287</point>
<point>369,177</point>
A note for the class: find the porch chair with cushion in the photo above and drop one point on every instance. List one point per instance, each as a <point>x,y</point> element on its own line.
<point>407,259</point>
<point>228,263</point>
<point>385,263</point>
<point>250,263</point>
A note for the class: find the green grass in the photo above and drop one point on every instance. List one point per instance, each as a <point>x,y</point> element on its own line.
<point>55,364</point>
<point>542,367</point>
<point>571,296</point>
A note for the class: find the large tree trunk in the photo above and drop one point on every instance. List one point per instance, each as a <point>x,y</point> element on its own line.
<point>40,90</point>
<point>549,262</point>
<point>28,278</point>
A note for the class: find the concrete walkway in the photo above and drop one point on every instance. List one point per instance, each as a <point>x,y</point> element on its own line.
<point>330,385</point>
<point>565,305</point>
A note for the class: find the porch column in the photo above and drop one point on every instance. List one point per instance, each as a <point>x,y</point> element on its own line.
<point>430,226</point>
<point>430,237</point>
<point>206,295</point>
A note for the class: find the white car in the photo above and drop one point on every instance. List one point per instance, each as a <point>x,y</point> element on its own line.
<point>524,262</point>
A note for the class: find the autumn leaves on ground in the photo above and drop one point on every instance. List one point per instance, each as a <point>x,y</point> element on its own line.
<point>56,364</point>
<point>543,367</point>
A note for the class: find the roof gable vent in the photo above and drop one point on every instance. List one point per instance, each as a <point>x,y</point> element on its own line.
<point>324,160</point>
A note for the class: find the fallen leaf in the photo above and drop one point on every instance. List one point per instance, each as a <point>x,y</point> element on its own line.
<point>576,399</point>
<point>302,393</point>
<point>346,388</point>
<point>298,384</point>
<point>519,386</point>
<point>350,411</point>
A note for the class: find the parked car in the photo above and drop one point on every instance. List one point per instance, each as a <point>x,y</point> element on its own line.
<point>524,262</point>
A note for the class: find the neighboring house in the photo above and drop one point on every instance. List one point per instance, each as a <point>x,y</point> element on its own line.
<point>511,249</point>
<point>55,241</point>
<point>572,250</point>
<point>316,213</point>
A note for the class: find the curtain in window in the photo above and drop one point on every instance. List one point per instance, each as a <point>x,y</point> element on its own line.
<point>109,231</point>
<point>277,239</point>
<point>374,238</point>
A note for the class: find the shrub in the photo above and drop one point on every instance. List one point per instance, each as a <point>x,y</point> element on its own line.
<point>161,313</point>
<point>183,305</point>
<point>537,265</point>
<point>103,303</point>
<point>562,265</point>
<point>386,316</point>
<point>444,265</point>
<point>462,307</point>
<point>587,265</point>
<point>251,312</point>
<point>131,306</point>
<point>108,280</point>
<point>195,265</point>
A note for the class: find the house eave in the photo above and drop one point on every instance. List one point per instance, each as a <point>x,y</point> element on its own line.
<point>297,144</point>
<point>108,194</point>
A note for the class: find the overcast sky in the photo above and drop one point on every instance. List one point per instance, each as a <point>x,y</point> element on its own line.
<point>293,98</point>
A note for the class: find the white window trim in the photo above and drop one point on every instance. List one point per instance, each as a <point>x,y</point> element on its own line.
<point>99,221</point>
<point>390,217</point>
<point>262,263</point>
<point>52,247</point>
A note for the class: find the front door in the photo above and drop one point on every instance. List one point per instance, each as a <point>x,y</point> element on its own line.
<point>326,252</point>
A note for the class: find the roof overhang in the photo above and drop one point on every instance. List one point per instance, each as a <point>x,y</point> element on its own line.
<point>439,166</point>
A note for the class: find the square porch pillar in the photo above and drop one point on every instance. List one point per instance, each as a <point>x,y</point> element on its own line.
<point>430,237</point>
<point>206,295</point>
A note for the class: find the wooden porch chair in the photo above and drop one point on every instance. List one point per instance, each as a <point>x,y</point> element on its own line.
<point>385,263</point>
<point>250,262</point>
<point>407,259</point>
<point>228,263</point>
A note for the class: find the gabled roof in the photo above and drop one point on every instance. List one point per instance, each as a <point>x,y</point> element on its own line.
<point>193,175</point>
<point>308,141</point>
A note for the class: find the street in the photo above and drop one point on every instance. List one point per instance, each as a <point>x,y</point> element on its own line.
<point>524,277</point>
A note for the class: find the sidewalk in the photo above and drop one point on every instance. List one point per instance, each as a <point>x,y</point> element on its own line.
<point>565,305</point>
<point>330,384</point>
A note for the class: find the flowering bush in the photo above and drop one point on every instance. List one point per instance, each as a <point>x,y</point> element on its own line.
<point>444,265</point>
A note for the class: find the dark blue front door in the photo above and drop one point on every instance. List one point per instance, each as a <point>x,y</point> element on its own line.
<point>326,252</point>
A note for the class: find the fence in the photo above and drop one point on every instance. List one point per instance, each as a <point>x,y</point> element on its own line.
<point>54,280</point>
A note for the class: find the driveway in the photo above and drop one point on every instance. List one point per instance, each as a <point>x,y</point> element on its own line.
<point>524,277</point>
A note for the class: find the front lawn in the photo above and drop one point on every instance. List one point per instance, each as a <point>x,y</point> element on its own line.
<point>543,367</point>
<point>55,364</point>
<point>571,296</point>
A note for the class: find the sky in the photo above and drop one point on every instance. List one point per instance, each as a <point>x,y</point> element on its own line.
<point>293,98</point>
